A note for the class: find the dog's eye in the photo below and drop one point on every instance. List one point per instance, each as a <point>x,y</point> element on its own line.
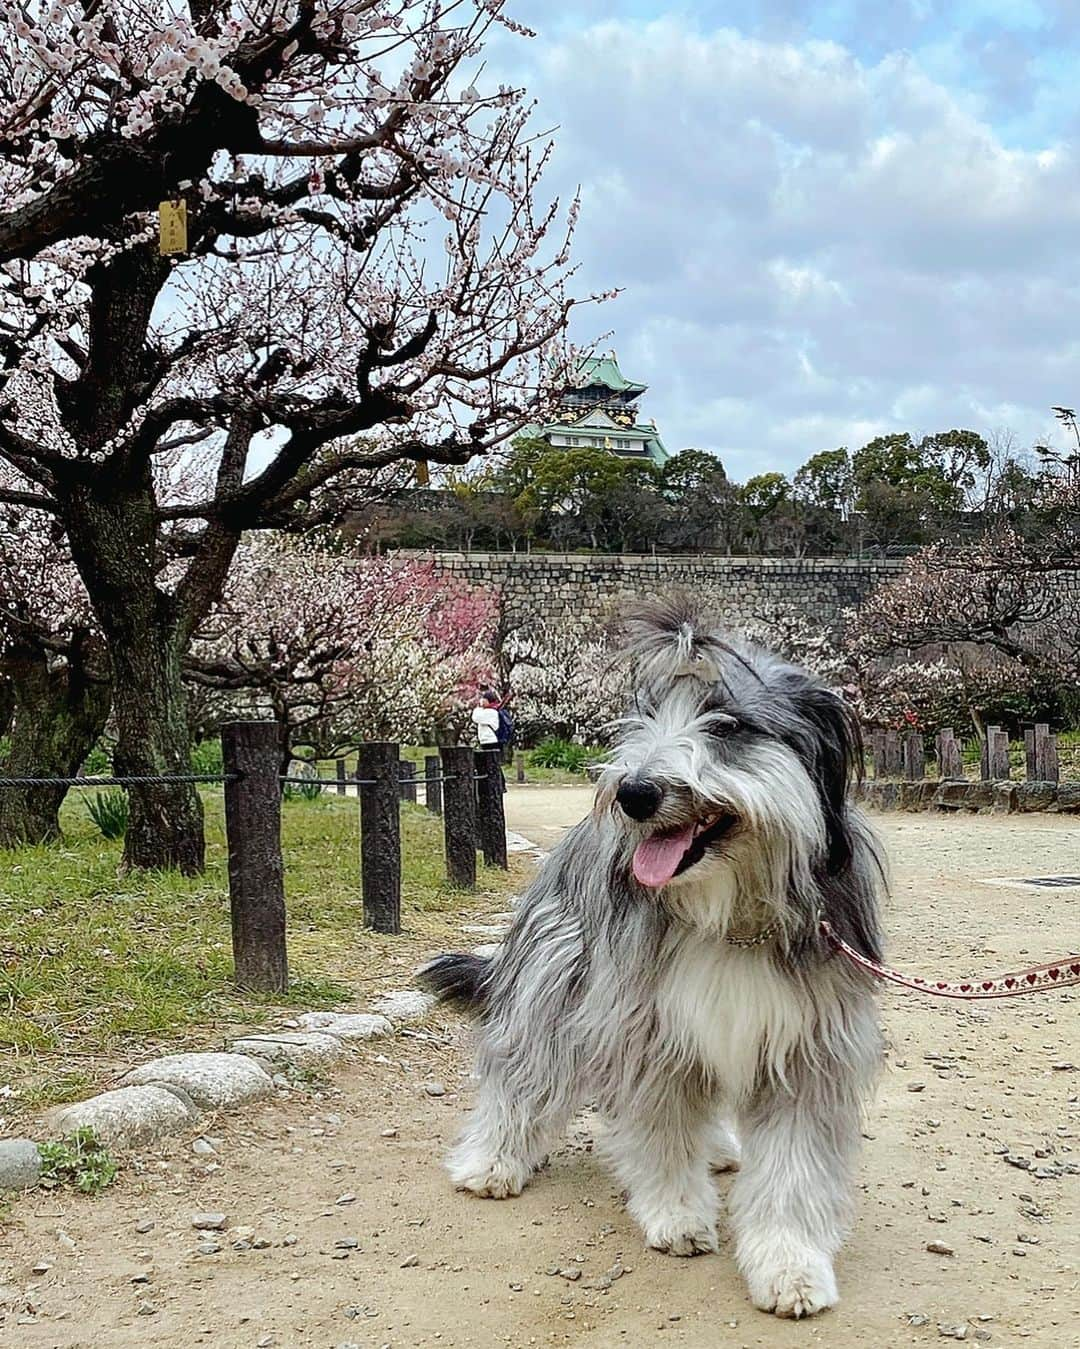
<point>722,723</point>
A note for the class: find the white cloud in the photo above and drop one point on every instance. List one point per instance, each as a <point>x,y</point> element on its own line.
<point>812,248</point>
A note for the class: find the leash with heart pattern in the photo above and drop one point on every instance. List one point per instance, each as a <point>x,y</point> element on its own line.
<point>1035,979</point>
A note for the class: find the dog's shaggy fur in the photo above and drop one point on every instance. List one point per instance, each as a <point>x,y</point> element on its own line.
<point>628,978</point>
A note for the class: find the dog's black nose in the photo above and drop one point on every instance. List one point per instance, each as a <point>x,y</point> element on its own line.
<point>639,797</point>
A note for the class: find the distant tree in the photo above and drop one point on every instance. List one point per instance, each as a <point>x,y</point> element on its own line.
<point>703,503</point>
<point>514,468</point>
<point>902,484</point>
<point>761,495</point>
<point>827,481</point>
<point>478,511</point>
<point>590,488</point>
<point>772,525</point>
<point>691,471</point>
<point>960,457</point>
<point>890,515</point>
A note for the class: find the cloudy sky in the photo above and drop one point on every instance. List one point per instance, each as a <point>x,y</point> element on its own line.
<point>829,218</point>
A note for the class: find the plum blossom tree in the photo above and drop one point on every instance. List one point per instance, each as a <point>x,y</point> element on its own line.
<point>969,627</point>
<point>367,277</point>
<point>562,683</point>
<point>800,639</point>
<point>339,650</point>
<point>52,657</point>
<point>986,595</point>
<point>961,687</point>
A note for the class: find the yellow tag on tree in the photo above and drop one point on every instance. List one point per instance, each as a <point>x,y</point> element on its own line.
<point>423,477</point>
<point>172,222</point>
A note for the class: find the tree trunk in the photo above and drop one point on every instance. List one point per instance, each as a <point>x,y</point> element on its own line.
<point>113,543</point>
<point>284,734</point>
<point>58,717</point>
<point>165,828</point>
<point>7,704</point>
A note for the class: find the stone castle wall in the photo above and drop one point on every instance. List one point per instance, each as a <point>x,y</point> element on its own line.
<point>582,589</point>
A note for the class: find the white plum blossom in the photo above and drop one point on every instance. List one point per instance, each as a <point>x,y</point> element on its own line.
<point>43,602</point>
<point>563,683</point>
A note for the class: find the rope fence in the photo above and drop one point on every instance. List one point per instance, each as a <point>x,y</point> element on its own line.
<point>136,780</point>
<point>462,785</point>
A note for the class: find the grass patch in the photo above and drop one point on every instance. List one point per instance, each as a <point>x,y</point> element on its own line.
<point>99,969</point>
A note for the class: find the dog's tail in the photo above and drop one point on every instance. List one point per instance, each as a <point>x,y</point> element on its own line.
<point>458,977</point>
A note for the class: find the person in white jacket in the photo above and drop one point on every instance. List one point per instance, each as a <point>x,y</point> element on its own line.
<point>486,719</point>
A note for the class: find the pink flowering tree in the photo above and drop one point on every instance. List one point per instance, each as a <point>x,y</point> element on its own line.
<point>53,662</point>
<point>339,650</point>
<point>367,277</point>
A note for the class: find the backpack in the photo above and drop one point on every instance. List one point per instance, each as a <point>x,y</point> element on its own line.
<point>505,734</point>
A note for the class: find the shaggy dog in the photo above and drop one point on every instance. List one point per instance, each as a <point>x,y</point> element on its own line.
<point>667,966</point>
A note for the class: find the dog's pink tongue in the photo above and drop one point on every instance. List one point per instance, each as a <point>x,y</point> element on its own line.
<point>657,859</point>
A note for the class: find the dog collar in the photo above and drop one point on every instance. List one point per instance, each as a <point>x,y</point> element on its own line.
<point>766,934</point>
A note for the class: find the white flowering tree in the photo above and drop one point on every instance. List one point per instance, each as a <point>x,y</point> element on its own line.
<point>53,660</point>
<point>562,683</point>
<point>339,650</point>
<point>804,641</point>
<point>366,277</point>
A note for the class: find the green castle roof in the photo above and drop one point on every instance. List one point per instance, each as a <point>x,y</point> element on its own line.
<point>605,370</point>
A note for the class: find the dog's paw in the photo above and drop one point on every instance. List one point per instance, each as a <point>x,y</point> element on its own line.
<point>682,1234</point>
<point>489,1178</point>
<point>796,1288</point>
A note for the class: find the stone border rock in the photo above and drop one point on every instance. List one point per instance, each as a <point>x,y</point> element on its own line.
<point>171,1093</point>
<point>996,798</point>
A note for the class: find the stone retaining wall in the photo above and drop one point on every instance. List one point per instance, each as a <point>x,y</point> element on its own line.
<point>579,590</point>
<point>973,798</point>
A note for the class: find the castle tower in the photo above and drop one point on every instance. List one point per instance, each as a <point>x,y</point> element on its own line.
<point>599,409</point>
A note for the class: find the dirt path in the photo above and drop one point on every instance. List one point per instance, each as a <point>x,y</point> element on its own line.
<point>422,1266</point>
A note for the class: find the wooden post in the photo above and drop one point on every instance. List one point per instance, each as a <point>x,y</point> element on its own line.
<point>433,787</point>
<point>380,836</point>
<point>490,816</point>
<point>341,777</point>
<point>407,780</point>
<point>256,873</point>
<point>998,748</point>
<point>1046,755</point>
<point>875,742</point>
<point>1031,769</point>
<point>914,757</point>
<point>459,814</point>
<point>984,755</point>
<point>893,760</point>
<point>950,758</point>
<point>519,766</point>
